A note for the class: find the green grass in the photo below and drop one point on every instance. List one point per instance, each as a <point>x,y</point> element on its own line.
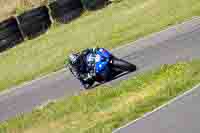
<point>104,109</point>
<point>121,22</point>
<point>15,7</point>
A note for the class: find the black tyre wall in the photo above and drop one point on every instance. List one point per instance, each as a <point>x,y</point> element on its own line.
<point>34,22</point>
<point>94,4</point>
<point>64,11</point>
<point>10,34</point>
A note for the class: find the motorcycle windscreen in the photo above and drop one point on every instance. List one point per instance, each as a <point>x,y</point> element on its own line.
<point>104,53</point>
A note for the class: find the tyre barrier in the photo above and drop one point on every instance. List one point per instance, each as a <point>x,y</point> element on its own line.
<point>10,34</point>
<point>37,21</point>
<point>34,22</point>
<point>94,4</point>
<point>64,11</point>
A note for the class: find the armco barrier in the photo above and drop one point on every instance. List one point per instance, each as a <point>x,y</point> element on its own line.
<point>64,11</point>
<point>10,34</point>
<point>34,22</point>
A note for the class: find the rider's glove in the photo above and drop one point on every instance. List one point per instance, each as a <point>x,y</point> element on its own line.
<point>90,76</point>
<point>87,76</point>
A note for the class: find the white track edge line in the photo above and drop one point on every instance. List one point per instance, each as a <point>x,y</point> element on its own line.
<point>160,107</point>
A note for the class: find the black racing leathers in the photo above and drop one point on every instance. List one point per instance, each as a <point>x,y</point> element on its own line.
<point>82,70</point>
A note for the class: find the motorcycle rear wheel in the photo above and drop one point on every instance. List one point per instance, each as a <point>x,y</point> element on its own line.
<point>123,65</point>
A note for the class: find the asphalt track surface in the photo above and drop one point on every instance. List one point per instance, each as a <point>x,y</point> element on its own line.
<point>181,116</point>
<point>181,42</point>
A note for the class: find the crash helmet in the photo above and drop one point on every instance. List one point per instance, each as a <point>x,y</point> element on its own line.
<point>73,58</point>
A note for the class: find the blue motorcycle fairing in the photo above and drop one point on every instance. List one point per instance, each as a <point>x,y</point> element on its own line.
<point>101,60</point>
<point>100,67</point>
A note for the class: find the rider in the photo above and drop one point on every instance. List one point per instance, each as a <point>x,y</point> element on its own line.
<point>81,68</point>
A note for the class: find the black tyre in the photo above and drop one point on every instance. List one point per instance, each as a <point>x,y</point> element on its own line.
<point>123,65</point>
<point>94,4</point>
<point>10,34</point>
<point>64,11</point>
<point>34,22</point>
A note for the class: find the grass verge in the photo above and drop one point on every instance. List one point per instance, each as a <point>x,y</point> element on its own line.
<point>103,109</point>
<point>121,22</point>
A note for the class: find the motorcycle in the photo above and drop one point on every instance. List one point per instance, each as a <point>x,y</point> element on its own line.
<point>106,66</point>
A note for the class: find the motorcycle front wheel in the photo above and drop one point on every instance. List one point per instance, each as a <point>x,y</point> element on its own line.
<point>87,84</point>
